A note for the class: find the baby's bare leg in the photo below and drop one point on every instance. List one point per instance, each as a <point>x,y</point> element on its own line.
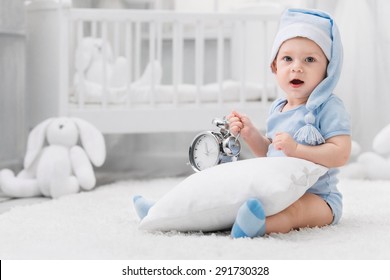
<point>308,211</point>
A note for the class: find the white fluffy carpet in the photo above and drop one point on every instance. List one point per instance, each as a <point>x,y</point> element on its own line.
<point>102,224</point>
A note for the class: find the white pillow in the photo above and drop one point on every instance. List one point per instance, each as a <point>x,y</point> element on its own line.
<point>209,200</point>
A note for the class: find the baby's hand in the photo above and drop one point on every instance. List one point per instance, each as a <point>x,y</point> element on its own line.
<point>284,142</point>
<point>239,123</point>
<point>235,123</point>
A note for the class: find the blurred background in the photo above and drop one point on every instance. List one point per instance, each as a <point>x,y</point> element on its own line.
<point>364,27</point>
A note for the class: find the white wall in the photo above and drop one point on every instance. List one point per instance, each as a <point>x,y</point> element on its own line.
<point>12,85</point>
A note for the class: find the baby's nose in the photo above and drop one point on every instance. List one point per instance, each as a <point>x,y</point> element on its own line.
<point>296,67</point>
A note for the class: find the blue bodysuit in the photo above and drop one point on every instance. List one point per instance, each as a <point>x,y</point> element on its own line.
<point>331,120</point>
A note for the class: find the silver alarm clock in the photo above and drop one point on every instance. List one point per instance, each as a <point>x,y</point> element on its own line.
<point>210,148</point>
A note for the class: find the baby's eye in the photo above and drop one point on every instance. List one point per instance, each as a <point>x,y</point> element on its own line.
<point>287,58</point>
<point>310,59</point>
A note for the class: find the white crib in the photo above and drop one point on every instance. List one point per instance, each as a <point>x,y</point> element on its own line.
<point>151,71</point>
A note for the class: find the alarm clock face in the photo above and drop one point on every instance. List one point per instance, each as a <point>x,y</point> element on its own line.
<point>204,151</point>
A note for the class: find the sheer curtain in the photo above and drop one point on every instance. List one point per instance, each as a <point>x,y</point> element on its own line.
<point>361,85</point>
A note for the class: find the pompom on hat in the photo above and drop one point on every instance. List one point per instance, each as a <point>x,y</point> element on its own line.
<point>319,27</point>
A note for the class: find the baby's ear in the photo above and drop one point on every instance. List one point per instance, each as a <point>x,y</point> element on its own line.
<point>273,66</point>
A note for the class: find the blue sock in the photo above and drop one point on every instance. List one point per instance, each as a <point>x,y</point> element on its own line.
<point>250,220</point>
<point>141,206</point>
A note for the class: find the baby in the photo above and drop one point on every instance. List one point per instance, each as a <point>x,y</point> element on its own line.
<point>309,122</point>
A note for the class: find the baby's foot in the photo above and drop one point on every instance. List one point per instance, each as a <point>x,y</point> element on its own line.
<point>250,220</point>
<point>141,206</point>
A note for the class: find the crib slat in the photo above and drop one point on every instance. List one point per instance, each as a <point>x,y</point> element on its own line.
<point>80,74</point>
<point>265,93</point>
<point>220,66</point>
<point>175,49</point>
<point>93,29</point>
<point>116,39</point>
<point>199,58</point>
<point>177,59</point>
<point>137,45</point>
<point>242,27</point>
<point>105,51</point>
<point>128,55</point>
<point>152,54</point>
<point>159,45</point>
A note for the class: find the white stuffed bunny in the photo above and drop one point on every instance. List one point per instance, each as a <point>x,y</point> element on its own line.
<point>372,165</point>
<point>97,67</point>
<point>99,75</point>
<point>54,164</point>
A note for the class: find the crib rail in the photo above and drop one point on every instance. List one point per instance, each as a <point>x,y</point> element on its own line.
<point>174,65</point>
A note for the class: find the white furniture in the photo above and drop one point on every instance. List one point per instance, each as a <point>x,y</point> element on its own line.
<point>202,67</point>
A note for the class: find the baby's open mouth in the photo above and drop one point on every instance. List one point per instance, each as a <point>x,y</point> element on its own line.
<point>296,82</point>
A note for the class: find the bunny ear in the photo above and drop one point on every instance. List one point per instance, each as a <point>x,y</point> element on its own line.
<point>83,54</point>
<point>82,61</point>
<point>35,142</point>
<point>92,141</point>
